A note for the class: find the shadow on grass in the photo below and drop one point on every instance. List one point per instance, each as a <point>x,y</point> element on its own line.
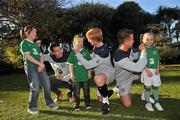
<point>136,111</point>
<point>18,82</point>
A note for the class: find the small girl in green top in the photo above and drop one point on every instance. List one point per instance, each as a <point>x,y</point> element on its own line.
<point>34,69</point>
<point>150,76</point>
<point>79,74</point>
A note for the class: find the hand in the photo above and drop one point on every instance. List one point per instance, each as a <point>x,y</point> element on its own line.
<point>149,73</point>
<point>40,69</point>
<point>42,65</point>
<point>157,71</point>
<point>142,48</point>
<point>77,48</point>
<point>72,77</point>
<point>59,77</point>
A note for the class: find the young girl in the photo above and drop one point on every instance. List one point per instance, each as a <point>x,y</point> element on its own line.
<point>79,73</point>
<point>150,76</point>
<point>34,69</point>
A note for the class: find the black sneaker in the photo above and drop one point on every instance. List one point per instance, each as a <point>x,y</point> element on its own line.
<point>110,92</point>
<point>77,108</point>
<point>105,109</point>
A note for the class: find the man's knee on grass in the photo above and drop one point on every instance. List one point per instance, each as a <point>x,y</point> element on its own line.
<point>126,100</point>
<point>100,79</point>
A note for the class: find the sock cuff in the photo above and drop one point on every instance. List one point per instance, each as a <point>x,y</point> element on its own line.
<point>147,89</point>
<point>155,87</point>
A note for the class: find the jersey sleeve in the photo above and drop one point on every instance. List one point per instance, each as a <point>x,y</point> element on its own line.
<point>24,48</point>
<point>47,58</point>
<point>129,65</point>
<point>136,55</point>
<point>70,58</point>
<point>88,64</point>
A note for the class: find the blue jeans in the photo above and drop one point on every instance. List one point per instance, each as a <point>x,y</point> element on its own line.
<point>35,80</point>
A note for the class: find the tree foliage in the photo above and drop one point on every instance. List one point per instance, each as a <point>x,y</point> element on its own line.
<point>56,23</point>
<point>167,17</point>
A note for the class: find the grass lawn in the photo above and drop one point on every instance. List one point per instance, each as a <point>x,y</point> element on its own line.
<point>14,91</point>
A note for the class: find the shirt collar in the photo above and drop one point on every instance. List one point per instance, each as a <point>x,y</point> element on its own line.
<point>29,40</point>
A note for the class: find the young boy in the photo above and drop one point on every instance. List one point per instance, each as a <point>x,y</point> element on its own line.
<point>79,74</point>
<point>101,62</point>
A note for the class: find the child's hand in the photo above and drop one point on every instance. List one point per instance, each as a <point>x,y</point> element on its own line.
<point>149,73</point>
<point>72,77</point>
<point>40,69</point>
<point>42,65</point>
<point>77,48</point>
<point>157,71</point>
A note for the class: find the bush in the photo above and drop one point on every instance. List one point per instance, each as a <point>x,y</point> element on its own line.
<point>170,67</point>
<point>12,55</point>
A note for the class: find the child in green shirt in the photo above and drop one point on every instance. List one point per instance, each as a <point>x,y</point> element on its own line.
<point>150,76</point>
<point>79,74</point>
<point>34,69</point>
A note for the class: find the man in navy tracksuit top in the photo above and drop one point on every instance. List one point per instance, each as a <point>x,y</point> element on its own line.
<point>124,65</point>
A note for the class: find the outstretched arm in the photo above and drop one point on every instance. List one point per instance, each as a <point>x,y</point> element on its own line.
<point>88,64</point>
<point>132,66</point>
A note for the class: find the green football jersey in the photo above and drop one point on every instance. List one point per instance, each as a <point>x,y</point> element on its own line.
<point>28,46</point>
<point>80,72</point>
<point>152,57</point>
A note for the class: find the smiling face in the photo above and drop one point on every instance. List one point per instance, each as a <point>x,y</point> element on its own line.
<point>32,35</point>
<point>79,43</point>
<point>57,51</point>
<point>148,39</point>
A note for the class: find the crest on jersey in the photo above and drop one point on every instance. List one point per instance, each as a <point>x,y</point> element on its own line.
<point>79,63</point>
<point>97,61</point>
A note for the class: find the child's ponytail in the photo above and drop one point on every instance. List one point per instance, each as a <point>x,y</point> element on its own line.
<point>25,31</point>
<point>141,37</point>
<point>22,34</point>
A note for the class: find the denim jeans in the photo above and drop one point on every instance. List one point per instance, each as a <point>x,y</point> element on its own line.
<point>86,91</point>
<point>35,80</point>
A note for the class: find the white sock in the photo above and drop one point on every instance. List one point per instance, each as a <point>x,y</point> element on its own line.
<point>116,89</point>
<point>106,100</point>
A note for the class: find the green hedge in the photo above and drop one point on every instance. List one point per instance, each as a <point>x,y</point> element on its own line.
<point>170,67</point>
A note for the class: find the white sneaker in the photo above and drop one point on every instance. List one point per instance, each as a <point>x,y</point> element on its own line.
<point>143,98</point>
<point>53,106</point>
<point>158,107</point>
<point>149,107</point>
<point>116,91</point>
<point>33,110</point>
